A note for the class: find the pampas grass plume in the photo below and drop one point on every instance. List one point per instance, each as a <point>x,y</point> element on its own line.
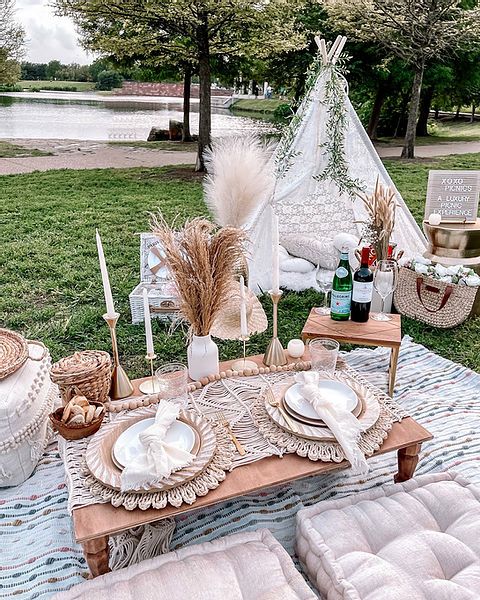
<point>240,178</point>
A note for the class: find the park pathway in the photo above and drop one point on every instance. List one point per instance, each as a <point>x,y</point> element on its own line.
<point>68,154</point>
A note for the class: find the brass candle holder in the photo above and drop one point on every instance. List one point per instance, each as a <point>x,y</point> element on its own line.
<point>275,354</point>
<point>120,386</point>
<point>243,363</point>
<point>151,385</point>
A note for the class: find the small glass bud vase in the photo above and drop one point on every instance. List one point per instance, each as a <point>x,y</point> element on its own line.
<point>202,354</point>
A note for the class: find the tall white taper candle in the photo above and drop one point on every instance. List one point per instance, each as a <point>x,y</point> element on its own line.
<point>148,324</point>
<point>275,256</point>
<point>243,310</point>
<point>105,280</point>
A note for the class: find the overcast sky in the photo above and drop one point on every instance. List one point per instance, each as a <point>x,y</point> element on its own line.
<point>49,37</point>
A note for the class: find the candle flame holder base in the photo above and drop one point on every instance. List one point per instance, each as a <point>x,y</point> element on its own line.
<point>121,386</point>
<point>244,363</point>
<point>275,354</point>
<point>150,385</point>
<point>241,365</point>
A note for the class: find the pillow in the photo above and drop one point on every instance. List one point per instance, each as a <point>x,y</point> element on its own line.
<point>236,567</point>
<point>418,540</point>
<point>318,252</point>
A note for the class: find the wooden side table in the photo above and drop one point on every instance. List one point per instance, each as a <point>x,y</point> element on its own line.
<point>371,333</point>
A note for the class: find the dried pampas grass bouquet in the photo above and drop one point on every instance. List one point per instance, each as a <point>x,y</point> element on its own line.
<point>240,178</point>
<point>380,207</point>
<point>202,260</point>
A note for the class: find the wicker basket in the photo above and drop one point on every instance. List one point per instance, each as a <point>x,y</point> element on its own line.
<point>433,302</point>
<point>88,372</point>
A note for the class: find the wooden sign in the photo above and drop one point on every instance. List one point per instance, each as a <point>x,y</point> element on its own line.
<point>453,195</point>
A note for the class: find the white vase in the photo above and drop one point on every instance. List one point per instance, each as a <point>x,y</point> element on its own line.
<point>202,356</point>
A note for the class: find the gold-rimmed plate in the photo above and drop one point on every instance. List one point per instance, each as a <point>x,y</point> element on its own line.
<point>318,422</point>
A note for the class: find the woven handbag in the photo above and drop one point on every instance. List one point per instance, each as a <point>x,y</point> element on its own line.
<point>433,302</point>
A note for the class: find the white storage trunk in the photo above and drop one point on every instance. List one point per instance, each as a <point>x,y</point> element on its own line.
<point>154,276</point>
<point>26,398</point>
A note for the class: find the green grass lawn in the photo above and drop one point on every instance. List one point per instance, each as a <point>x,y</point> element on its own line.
<point>261,105</point>
<point>443,132</point>
<point>50,279</point>
<point>79,86</point>
<point>8,150</point>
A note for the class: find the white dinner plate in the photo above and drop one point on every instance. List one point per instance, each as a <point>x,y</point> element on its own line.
<point>336,391</point>
<point>128,445</point>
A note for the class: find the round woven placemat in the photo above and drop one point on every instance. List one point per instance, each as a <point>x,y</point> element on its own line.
<point>13,352</point>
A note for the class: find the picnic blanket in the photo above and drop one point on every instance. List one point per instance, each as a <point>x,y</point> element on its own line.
<point>38,553</point>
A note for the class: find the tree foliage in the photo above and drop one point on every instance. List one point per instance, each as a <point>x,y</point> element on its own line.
<point>12,40</point>
<point>416,31</point>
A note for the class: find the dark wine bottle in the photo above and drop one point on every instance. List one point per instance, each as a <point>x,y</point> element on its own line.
<point>342,289</point>
<point>362,289</point>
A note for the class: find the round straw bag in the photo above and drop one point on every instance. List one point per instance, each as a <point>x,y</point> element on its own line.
<point>14,352</point>
<point>89,372</point>
<point>433,302</point>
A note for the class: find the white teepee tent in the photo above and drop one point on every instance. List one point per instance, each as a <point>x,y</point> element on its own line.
<point>312,198</point>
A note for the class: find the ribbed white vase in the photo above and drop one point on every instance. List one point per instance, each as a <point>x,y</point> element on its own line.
<point>202,356</point>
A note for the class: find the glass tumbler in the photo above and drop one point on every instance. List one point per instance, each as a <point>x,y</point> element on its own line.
<point>173,381</point>
<point>324,354</point>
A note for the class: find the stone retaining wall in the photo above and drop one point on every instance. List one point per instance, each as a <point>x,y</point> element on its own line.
<point>172,90</point>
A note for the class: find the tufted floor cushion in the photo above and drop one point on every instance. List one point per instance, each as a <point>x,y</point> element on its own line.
<point>418,540</point>
<point>244,566</point>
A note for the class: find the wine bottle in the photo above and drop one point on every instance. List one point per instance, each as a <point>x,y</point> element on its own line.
<point>342,289</point>
<point>362,289</point>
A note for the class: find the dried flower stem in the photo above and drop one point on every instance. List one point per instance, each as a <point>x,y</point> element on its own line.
<point>203,261</point>
<point>380,207</point>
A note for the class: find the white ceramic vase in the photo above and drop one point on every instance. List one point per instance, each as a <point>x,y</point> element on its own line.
<point>202,356</point>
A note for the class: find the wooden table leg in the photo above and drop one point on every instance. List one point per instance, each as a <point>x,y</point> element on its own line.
<point>407,462</point>
<point>392,372</point>
<point>96,555</point>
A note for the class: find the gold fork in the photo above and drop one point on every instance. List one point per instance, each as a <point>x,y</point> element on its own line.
<point>277,404</point>
<point>220,417</point>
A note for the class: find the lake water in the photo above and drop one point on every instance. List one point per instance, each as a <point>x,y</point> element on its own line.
<point>87,116</point>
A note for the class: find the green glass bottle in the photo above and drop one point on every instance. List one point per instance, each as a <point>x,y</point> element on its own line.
<point>342,289</point>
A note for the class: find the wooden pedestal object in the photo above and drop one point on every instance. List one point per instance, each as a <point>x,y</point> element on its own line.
<point>371,333</point>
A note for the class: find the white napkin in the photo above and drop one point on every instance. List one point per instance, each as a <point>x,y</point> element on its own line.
<point>159,458</point>
<point>342,423</point>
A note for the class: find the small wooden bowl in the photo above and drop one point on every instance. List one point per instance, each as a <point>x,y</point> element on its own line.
<point>77,430</point>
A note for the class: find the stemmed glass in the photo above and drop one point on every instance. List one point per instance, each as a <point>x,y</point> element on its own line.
<point>385,281</point>
<point>325,282</point>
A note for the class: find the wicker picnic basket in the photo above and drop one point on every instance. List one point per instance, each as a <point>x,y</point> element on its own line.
<point>89,372</point>
<point>433,302</point>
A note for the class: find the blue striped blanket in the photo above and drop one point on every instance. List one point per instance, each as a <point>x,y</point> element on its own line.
<point>38,553</point>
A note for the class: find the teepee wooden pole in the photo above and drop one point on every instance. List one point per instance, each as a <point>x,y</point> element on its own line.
<point>334,47</point>
<point>323,50</point>
<point>339,50</point>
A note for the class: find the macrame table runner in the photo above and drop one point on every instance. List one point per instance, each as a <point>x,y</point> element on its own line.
<point>241,400</point>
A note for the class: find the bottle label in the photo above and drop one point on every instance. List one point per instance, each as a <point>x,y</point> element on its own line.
<point>341,302</point>
<point>341,272</point>
<point>362,291</point>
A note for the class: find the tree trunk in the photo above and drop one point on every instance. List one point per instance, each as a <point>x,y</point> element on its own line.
<point>376,110</point>
<point>401,116</point>
<point>187,81</point>
<point>472,116</point>
<point>408,150</point>
<point>457,114</point>
<point>424,111</point>
<point>204,71</point>
<point>437,112</point>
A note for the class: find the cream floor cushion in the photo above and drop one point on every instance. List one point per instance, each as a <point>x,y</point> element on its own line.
<point>244,566</point>
<point>419,540</point>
